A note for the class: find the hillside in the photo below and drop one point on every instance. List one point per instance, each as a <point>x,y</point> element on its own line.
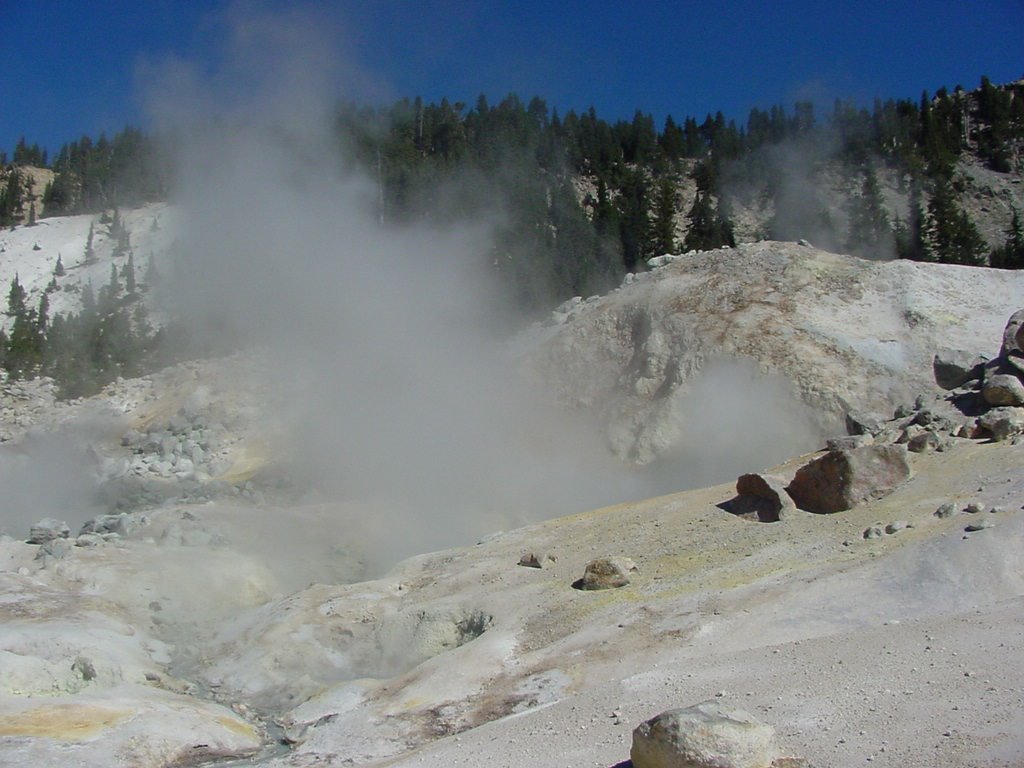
<point>210,611</point>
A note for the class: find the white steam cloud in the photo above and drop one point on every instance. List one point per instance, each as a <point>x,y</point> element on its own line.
<point>396,389</point>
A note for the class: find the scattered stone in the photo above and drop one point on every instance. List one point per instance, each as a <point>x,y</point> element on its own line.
<point>847,442</point>
<point>48,529</point>
<point>981,525</point>
<point>926,442</point>
<point>897,526</point>
<point>769,489</point>
<point>842,479</point>
<point>862,424</point>
<point>873,532</point>
<point>530,560</point>
<point>903,411</point>
<point>607,573</point>
<point>997,510</point>
<point>974,507</point>
<point>709,735</point>
<point>954,367</point>
<point>946,510</point>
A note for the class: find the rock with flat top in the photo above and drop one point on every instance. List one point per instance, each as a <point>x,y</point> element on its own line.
<point>708,735</point>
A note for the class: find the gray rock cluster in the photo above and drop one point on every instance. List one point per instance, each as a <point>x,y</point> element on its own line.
<point>54,536</point>
<point>184,447</point>
<point>989,390</point>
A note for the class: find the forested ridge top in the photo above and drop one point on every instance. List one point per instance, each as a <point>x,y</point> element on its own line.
<point>586,200</point>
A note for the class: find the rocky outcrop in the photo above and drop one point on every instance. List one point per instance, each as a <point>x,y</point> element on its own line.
<point>707,735</point>
<point>841,335</point>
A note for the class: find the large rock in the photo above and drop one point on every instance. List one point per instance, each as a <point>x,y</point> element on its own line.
<point>1002,423</point>
<point>1012,350</point>
<point>48,529</point>
<point>953,368</point>
<point>1003,389</point>
<point>842,479</point>
<point>768,493</point>
<point>708,735</point>
<point>1002,384</point>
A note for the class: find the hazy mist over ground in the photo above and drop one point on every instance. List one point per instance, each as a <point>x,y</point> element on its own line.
<point>395,388</point>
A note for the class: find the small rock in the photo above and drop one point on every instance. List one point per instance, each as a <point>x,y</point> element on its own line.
<point>926,442</point>
<point>981,525</point>
<point>897,526</point>
<point>873,532</point>
<point>530,560</point>
<point>946,510</point>
<point>607,573</point>
<point>974,507</point>
<point>847,442</point>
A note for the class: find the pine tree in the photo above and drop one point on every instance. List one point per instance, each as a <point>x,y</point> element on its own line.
<point>910,240</point>
<point>708,228</point>
<point>58,270</point>
<point>128,273</point>
<point>1011,254</point>
<point>90,254</point>
<point>31,215</point>
<point>951,235</point>
<point>16,298</point>
<point>870,234</point>
<point>664,227</point>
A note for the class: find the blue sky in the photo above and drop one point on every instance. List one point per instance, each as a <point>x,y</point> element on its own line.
<point>72,67</point>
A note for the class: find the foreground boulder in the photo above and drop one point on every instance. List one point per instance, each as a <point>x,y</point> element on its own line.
<point>844,478</point>
<point>708,735</point>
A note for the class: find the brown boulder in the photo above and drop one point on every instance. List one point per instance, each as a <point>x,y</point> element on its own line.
<point>842,479</point>
<point>607,573</point>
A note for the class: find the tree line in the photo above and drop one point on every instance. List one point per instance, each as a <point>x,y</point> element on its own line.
<point>587,199</point>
